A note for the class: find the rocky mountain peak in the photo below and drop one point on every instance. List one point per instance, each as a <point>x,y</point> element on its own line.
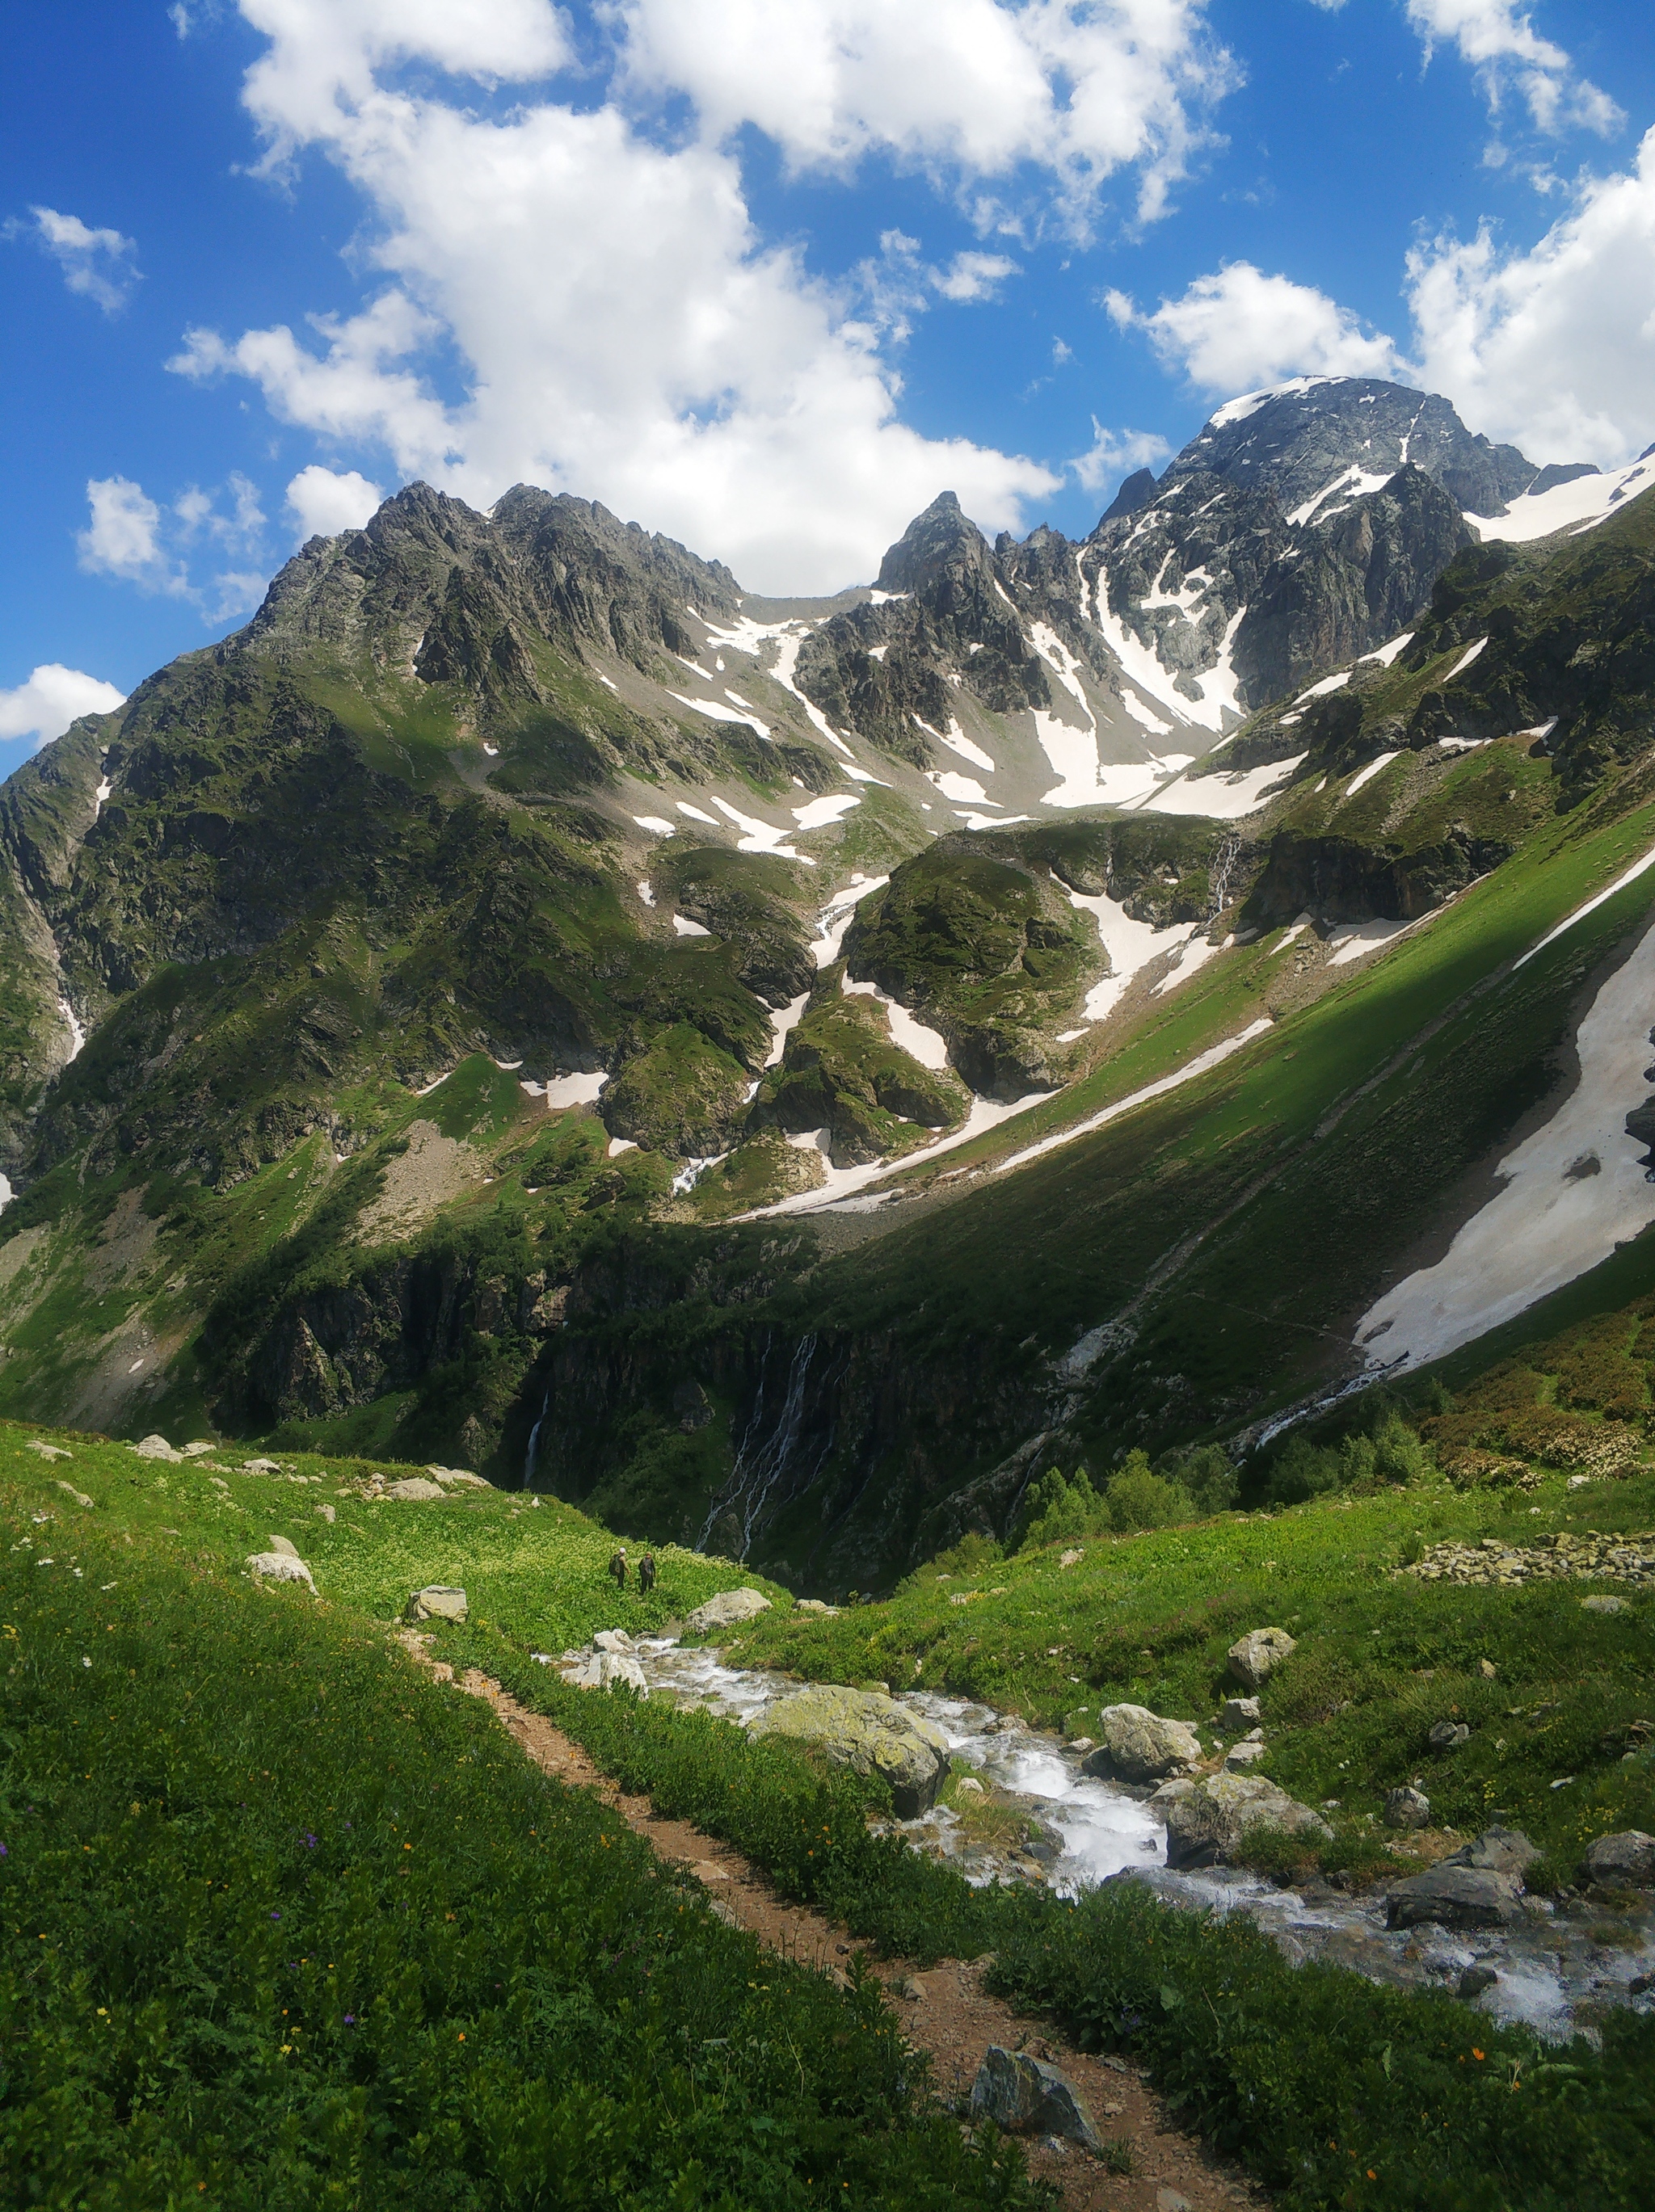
<point>941,547</point>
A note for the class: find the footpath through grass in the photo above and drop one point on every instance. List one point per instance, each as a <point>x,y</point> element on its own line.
<point>284,1924</point>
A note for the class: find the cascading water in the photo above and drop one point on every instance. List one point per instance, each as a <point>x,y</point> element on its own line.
<point>535,1441</point>
<point>765,1451</point>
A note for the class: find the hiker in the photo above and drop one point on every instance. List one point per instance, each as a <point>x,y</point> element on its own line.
<point>646,1574</point>
<point>618,1567</point>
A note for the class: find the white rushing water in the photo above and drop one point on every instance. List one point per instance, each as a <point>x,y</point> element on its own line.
<point>1097,1831</point>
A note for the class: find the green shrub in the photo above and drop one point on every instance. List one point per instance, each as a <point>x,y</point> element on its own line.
<point>1208,1473</point>
<point>1058,1509</point>
<point>1140,1498</point>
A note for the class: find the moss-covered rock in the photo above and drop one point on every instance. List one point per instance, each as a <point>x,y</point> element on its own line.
<point>682,1096</point>
<point>841,1072</point>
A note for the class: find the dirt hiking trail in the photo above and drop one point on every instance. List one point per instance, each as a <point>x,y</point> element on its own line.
<point>944,2009</point>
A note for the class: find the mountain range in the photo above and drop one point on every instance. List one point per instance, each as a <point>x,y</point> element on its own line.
<point>786,1072</point>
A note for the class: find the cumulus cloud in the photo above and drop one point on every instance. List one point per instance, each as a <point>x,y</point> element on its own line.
<point>132,538</point>
<point>1498,38</point>
<point>1114,455</point>
<point>622,329</point>
<point>50,698</point>
<point>123,537</point>
<point>968,89</point>
<point>1239,330</point>
<point>97,263</point>
<point>325,501</point>
<point>1554,347</point>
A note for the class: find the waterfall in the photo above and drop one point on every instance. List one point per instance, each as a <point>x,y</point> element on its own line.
<point>535,1441</point>
<point>765,1452</point>
<point>1228,853</point>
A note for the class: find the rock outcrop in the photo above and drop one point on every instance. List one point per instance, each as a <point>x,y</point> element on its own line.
<point>1208,1821</point>
<point>872,1735</point>
<point>1138,1745</point>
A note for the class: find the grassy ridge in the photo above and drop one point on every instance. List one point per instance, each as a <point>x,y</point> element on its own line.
<point>282,1923</point>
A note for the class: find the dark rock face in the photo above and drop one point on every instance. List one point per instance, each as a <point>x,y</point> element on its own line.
<point>1298,439</point>
<point>1627,1859</point>
<point>1455,1897</point>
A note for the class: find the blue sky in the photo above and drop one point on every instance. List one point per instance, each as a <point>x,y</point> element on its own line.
<point>764,274</point>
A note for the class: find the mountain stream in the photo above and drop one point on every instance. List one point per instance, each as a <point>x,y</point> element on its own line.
<point>1554,1975</point>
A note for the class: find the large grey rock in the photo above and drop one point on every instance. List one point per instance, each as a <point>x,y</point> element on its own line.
<point>1027,2096</point>
<point>725,1610</point>
<point>870,1733</point>
<point>1455,1896</point>
<point>1140,1747</point>
<point>436,1601</point>
<point>1407,1809</point>
<point>280,1567</point>
<point>1621,1860</point>
<point>1244,1754</point>
<point>609,1660</point>
<point>1259,1653</point>
<point>1497,1850</point>
<point>416,1490</point>
<point>457,1478</point>
<point>1207,1822</point>
<point>157,1448</point>
<point>1238,1712</point>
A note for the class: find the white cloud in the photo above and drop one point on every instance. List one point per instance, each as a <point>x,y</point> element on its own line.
<point>1114,454</point>
<point>97,263</point>
<point>621,326</point>
<point>972,276</point>
<point>130,537</point>
<point>1497,39</point>
<point>1554,347</point>
<point>966,89</point>
<point>326,502</point>
<point>51,698</point>
<point>1240,329</point>
<point>122,536</point>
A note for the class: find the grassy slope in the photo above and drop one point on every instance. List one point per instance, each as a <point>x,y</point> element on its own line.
<point>282,1924</point>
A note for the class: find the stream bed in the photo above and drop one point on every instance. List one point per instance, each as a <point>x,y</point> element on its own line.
<point>1556,1975</point>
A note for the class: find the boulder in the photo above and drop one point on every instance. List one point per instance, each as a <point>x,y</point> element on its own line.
<point>1625,1861</point>
<point>1455,1896</point>
<point>1259,1653</point>
<point>1407,1809</point>
<point>725,1610</point>
<point>1140,1747</point>
<point>1238,1712</point>
<point>280,1567</point>
<point>1497,1850</point>
<point>816,1605</point>
<point>870,1734</point>
<point>1603,1605</point>
<point>605,1668</point>
<point>79,1495</point>
<point>1474,1981</point>
<point>259,1466</point>
<point>1207,1820</point>
<point>49,1451</point>
<point>1025,2096</point>
<point>1449,1735</point>
<point>284,1544</point>
<point>436,1601</point>
<point>612,1639</point>
<point>199,1449</point>
<point>416,1489</point>
<point>157,1448</point>
<point>457,1478</point>
<point>1240,1756</point>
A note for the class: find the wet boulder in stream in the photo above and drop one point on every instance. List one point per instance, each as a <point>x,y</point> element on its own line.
<point>870,1734</point>
<point>1207,1822</point>
<point>1138,1745</point>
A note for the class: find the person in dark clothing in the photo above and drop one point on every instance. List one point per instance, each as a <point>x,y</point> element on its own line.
<point>647,1574</point>
<point>618,1567</point>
